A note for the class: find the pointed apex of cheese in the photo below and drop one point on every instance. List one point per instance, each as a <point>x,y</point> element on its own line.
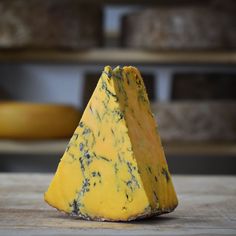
<point>108,69</point>
<point>114,167</point>
<point>131,69</point>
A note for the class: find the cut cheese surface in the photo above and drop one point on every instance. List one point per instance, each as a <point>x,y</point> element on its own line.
<point>114,167</point>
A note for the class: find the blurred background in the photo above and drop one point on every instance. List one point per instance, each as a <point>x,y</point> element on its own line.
<point>53,52</point>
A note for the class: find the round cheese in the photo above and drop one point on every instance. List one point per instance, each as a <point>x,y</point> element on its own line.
<point>182,28</point>
<point>20,120</point>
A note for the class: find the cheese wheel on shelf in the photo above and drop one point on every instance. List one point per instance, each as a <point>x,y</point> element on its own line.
<point>53,24</point>
<point>179,28</point>
<point>19,120</point>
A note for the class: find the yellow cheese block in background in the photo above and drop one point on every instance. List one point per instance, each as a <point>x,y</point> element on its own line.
<point>114,167</point>
<point>19,120</point>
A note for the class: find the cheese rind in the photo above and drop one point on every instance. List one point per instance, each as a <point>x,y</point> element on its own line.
<point>22,120</point>
<point>114,166</point>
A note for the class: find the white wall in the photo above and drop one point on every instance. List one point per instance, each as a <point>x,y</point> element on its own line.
<point>42,83</point>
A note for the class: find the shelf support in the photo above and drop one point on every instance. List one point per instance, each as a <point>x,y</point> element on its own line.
<point>81,81</point>
<point>163,84</point>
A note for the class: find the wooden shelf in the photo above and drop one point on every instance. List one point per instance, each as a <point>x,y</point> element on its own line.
<point>200,149</point>
<point>33,147</point>
<point>206,207</point>
<point>144,2</point>
<point>58,146</point>
<point>118,56</point>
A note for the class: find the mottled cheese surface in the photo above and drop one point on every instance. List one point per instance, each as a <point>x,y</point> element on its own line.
<point>114,167</point>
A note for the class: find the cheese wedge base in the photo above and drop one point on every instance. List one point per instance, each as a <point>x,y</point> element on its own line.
<point>114,167</point>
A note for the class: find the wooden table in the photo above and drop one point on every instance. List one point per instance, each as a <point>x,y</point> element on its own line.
<point>207,207</point>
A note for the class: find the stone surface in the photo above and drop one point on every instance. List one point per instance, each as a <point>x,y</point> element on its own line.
<point>49,24</point>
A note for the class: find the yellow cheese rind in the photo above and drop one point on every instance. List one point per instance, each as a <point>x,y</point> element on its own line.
<point>114,167</point>
<point>22,120</point>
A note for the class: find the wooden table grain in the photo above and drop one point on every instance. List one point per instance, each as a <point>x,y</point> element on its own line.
<point>207,207</point>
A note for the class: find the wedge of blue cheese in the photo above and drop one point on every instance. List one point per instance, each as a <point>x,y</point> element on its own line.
<point>114,167</point>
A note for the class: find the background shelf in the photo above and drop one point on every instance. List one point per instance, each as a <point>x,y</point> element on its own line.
<point>33,147</point>
<point>142,2</point>
<point>120,56</point>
